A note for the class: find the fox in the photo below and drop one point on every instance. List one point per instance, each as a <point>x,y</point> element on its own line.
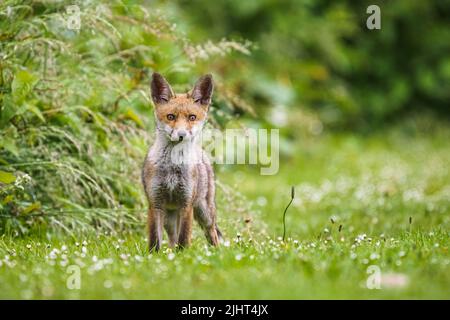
<point>179,191</point>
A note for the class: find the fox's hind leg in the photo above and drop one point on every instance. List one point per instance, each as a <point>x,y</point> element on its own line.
<point>206,217</point>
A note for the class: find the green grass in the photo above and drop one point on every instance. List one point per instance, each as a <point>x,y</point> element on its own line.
<point>379,200</point>
<point>258,269</point>
<point>75,123</point>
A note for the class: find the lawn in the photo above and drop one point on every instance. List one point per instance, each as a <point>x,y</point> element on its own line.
<point>364,143</point>
<point>362,203</point>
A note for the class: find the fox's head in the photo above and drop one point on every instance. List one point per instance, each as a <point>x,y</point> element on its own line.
<point>181,116</point>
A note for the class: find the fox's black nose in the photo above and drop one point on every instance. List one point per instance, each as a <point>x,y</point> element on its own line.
<point>181,135</point>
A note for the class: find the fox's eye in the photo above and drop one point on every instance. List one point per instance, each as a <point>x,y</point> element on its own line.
<point>170,117</point>
<point>192,117</point>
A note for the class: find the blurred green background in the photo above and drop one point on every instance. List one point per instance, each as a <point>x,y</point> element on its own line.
<point>319,56</point>
<point>75,103</point>
<point>364,138</point>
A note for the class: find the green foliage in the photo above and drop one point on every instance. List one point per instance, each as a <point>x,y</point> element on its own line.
<point>319,55</point>
<point>75,106</point>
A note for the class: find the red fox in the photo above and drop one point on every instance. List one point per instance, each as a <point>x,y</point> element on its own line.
<point>179,191</point>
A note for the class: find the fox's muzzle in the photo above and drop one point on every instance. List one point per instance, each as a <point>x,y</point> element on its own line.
<point>179,135</point>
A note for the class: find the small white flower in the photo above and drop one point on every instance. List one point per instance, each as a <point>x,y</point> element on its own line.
<point>360,237</point>
<point>374,256</point>
<point>261,201</point>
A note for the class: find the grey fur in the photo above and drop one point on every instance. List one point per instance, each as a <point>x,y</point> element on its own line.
<point>170,185</point>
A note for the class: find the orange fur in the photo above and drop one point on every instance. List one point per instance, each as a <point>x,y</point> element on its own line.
<point>182,106</point>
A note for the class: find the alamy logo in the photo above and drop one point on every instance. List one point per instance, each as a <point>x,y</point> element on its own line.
<point>374,279</point>
<point>74,17</point>
<point>74,279</point>
<point>234,146</point>
<point>374,20</point>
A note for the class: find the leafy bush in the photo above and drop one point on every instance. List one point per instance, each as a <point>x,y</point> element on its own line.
<point>74,107</point>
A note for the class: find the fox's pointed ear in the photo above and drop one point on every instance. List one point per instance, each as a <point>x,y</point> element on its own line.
<point>203,90</point>
<point>161,90</point>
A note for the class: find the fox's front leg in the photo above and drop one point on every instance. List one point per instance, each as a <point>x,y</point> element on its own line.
<point>172,224</point>
<point>187,215</point>
<point>155,224</point>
